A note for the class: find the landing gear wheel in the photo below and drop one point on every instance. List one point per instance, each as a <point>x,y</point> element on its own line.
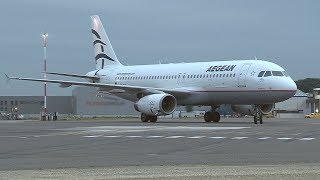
<point>153,119</point>
<point>215,116</point>
<point>144,117</point>
<point>255,120</point>
<point>211,116</point>
<point>207,117</point>
<point>261,122</point>
<point>147,118</point>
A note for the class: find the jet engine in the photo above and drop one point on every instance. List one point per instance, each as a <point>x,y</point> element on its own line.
<point>249,109</point>
<point>156,104</point>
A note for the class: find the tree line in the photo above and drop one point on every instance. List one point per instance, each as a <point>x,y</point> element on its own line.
<point>307,85</point>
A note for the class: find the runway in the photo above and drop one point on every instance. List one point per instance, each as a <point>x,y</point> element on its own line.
<point>29,145</point>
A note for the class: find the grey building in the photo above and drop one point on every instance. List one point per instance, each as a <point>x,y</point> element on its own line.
<point>314,101</point>
<point>295,107</point>
<point>87,101</point>
<point>34,104</point>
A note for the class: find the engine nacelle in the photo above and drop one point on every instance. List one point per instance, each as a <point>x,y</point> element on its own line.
<point>249,109</point>
<point>156,104</point>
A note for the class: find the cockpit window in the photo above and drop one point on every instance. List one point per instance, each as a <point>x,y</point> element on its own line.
<point>277,73</point>
<point>268,73</point>
<point>261,74</point>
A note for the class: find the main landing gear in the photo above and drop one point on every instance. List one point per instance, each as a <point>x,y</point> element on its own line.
<point>148,118</point>
<point>257,115</point>
<point>212,116</point>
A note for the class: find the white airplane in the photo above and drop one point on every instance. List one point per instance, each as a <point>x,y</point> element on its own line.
<point>250,86</point>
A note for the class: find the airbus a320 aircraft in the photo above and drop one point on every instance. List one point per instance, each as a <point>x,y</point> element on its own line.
<point>251,87</point>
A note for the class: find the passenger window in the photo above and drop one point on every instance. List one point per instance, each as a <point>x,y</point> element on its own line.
<point>227,75</point>
<point>277,73</point>
<point>234,75</point>
<point>261,74</point>
<point>220,75</point>
<point>267,74</point>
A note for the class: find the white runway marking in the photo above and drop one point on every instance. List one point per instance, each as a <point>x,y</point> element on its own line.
<point>112,136</point>
<point>123,129</point>
<point>239,138</point>
<point>133,136</point>
<point>155,136</point>
<point>22,137</point>
<point>174,137</point>
<point>217,137</point>
<point>284,138</point>
<point>91,136</point>
<point>188,137</point>
<point>306,139</point>
<point>196,137</point>
<point>264,138</point>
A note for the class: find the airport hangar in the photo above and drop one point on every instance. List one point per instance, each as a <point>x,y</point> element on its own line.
<point>86,101</point>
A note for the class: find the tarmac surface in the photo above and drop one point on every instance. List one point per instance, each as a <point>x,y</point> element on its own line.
<point>34,146</point>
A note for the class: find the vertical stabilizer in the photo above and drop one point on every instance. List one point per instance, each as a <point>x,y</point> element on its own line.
<point>103,52</point>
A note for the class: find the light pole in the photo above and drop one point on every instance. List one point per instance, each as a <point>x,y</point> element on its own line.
<point>45,35</point>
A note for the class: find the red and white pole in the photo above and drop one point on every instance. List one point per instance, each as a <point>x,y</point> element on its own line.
<point>45,35</point>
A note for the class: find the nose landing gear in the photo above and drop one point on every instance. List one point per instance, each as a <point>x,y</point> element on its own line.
<point>257,115</point>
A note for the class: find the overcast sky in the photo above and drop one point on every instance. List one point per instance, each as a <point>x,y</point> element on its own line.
<point>286,32</point>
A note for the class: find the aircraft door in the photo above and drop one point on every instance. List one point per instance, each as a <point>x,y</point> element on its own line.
<point>181,78</point>
<point>243,75</point>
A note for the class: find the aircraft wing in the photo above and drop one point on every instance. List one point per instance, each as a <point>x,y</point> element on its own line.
<point>73,75</point>
<point>114,88</point>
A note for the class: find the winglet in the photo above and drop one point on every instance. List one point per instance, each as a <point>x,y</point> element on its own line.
<point>7,79</point>
<point>7,76</point>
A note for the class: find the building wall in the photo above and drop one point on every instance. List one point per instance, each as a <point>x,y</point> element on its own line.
<point>294,104</point>
<point>294,107</point>
<point>34,104</point>
<point>87,101</point>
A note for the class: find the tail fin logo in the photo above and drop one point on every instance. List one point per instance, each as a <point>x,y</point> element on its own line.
<point>95,33</point>
<point>98,41</point>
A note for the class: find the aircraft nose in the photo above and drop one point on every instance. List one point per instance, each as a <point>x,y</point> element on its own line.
<point>292,87</point>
